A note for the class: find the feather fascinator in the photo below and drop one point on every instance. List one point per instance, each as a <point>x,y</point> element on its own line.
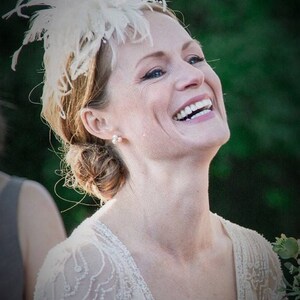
<point>77,28</point>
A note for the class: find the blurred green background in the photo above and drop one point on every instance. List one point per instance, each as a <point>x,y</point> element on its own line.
<point>254,47</point>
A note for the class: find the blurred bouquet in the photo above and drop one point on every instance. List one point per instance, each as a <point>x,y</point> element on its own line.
<point>288,249</point>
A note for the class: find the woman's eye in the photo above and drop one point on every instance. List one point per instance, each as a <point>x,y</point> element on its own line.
<point>195,59</point>
<point>153,74</point>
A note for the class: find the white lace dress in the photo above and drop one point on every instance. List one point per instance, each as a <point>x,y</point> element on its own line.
<point>94,264</point>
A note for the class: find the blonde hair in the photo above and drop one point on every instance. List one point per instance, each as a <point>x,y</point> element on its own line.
<point>93,165</point>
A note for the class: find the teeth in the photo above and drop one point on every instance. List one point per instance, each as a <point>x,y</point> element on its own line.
<point>193,107</point>
<point>201,113</point>
<point>188,110</point>
<point>198,105</point>
<point>205,103</point>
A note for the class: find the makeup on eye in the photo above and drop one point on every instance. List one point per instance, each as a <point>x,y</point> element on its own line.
<point>154,73</point>
<point>193,55</point>
<point>195,59</point>
<point>158,72</point>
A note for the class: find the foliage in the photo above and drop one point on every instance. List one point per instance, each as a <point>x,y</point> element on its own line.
<point>288,249</point>
<point>253,46</point>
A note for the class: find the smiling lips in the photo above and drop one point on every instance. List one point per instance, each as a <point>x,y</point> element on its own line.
<point>194,110</point>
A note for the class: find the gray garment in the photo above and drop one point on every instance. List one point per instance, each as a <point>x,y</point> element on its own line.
<point>11,263</point>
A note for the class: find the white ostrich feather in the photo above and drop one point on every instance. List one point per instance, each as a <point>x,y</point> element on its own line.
<point>79,27</point>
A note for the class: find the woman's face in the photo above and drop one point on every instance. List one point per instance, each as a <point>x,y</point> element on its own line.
<point>165,100</point>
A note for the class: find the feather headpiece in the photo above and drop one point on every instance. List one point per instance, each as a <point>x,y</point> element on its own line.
<point>77,28</point>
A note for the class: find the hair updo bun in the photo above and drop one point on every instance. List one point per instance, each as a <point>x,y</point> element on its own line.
<point>93,165</point>
<point>96,169</point>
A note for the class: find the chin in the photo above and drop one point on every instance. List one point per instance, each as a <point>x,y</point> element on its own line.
<point>218,139</point>
<point>226,137</point>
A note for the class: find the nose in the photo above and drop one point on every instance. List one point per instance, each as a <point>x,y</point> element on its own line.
<point>189,76</point>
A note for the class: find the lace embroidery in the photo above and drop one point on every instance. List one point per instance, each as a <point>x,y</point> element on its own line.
<point>124,252</point>
<point>94,264</point>
<point>90,265</point>
<point>237,253</point>
<point>258,272</point>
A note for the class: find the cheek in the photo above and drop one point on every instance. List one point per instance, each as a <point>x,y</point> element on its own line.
<point>149,114</point>
<point>214,82</point>
<point>132,113</point>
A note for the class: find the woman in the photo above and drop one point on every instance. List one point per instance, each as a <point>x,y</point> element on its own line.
<point>30,225</point>
<point>140,114</point>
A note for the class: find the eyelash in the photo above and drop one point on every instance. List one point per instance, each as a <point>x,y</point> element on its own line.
<point>198,59</point>
<point>156,73</point>
<point>153,74</point>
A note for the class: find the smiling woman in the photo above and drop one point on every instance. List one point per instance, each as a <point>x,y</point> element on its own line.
<point>140,123</point>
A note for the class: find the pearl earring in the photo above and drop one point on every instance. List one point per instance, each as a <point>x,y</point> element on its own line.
<point>116,139</point>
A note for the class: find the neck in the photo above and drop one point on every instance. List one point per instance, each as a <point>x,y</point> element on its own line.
<point>171,210</point>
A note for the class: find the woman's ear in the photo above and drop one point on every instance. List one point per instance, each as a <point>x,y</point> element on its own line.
<point>95,122</point>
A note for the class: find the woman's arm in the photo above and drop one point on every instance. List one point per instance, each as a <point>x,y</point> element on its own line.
<point>40,228</point>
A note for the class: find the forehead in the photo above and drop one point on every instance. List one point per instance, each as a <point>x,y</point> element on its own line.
<point>164,27</point>
<point>166,34</point>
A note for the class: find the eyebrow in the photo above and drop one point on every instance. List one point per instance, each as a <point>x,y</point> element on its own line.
<point>161,53</point>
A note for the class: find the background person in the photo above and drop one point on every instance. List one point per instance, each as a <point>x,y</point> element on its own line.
<point>30,225</point>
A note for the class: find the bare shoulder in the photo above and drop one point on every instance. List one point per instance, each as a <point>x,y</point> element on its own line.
<point>36,204</point>
<point>40,228</point>
<point>34,193</point>
<point>37,212</point>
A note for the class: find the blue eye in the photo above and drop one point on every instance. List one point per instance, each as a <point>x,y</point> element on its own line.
<point>195,59</point>
<point>153,74</point>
